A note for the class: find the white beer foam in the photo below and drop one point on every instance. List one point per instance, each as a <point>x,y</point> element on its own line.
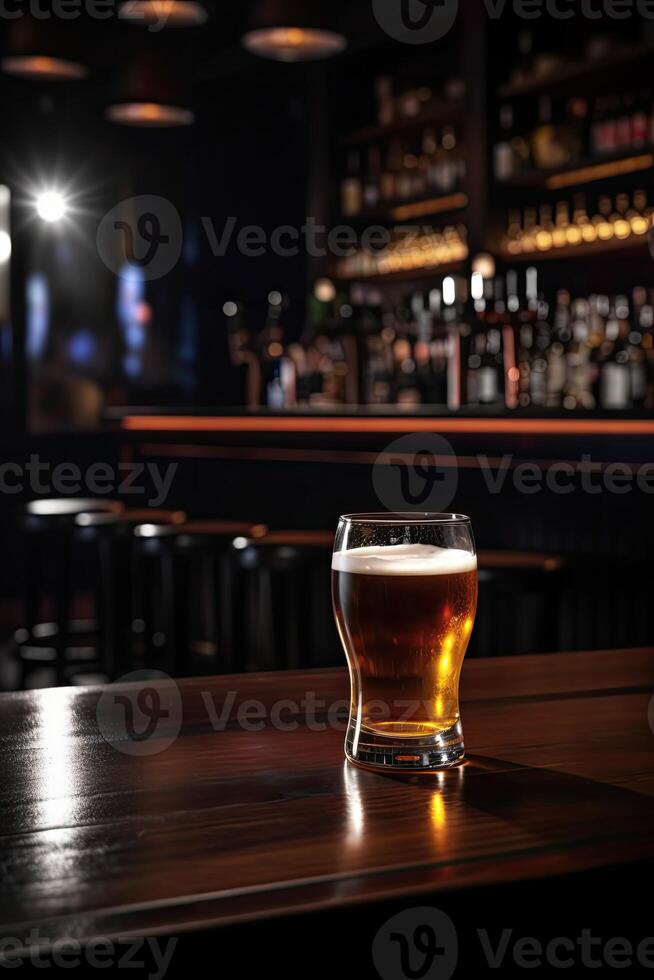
<point>404,559</point>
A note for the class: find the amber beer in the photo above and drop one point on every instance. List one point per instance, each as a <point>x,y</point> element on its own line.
<point>405,614</point>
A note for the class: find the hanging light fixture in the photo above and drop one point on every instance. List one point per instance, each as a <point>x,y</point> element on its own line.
<point>149,115</point>
<point>41,51</point>
<point>150,97</point>
<point>164,13</point>
<point>291,30</point>
<point>37,67</point>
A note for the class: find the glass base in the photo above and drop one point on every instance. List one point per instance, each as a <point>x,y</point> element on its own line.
<point>386,753</point>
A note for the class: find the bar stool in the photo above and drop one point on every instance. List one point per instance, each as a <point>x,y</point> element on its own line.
<point>192,588</point>
<point>287,621</point>
<point>124,593</point>
<point>519,603</point>
<point>50,527</point>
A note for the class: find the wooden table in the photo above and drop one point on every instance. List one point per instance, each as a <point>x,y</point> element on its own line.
<point>239,825</point>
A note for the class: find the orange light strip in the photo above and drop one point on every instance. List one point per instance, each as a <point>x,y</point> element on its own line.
<point>600,171</point>
<point>564,427</point>
<point>434,206</point>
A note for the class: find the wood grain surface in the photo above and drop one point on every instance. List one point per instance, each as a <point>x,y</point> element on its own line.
<point>234,821</point>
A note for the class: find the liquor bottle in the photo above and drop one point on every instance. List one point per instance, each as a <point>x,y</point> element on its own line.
<point>646,329</point>
<point>351,187</point>
<point>578,128</point>
<point>387,177</point>
<point>615,378</point>
<point>525,332</point>
<point>621,224</point>
<point>491,374</point>
<point>638,361</point>
<point>385,101</point>
<point>611,136</point>
<point>580,378</point>
<point>597,127</point>
<point>372,183</point>
<point>638,215</point>
<point>504,159</point>
<point>392,176</point>
<point>551,145</point>
<point>529,231</point>
<point>278,377</point>
<point>524,66</point>
<point>538,366</point>
<point>420,174</point>
<point>378,368</point>
<point>623,126</point>
<point>602,220</point>
<point>450,160</point>
<point>429,157</point>
<point>280,382</point>
<point>544,235</point>
<point>640,119</point>
<point>403,183</point>
<point>582,228</point>
<point>604,128</point>
<point>512,240</point>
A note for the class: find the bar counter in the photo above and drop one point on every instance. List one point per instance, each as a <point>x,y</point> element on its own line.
<point>212,822</point>
<point>357,436</point>
<point>370,421</point>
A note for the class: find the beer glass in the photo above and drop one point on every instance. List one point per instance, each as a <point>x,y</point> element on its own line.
<point>404,588</point>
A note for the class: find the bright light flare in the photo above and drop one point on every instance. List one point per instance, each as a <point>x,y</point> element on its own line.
<point>51,206</point>
<point>5,247</point>
<point>324,290</point>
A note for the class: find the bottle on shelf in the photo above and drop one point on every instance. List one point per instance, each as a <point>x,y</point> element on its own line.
<point>372,182</point>
<point>278,377</point>
<point>615,376</point>
<point>498,345</point>
<point>524,67</point>
<point>617,219</point>
<point>570,132</point>
<point>505,161</point>
<point>385,100</point>
<point>352,186</point>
